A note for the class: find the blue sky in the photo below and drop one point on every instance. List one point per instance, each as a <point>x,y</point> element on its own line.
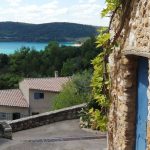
<point>44,11</point>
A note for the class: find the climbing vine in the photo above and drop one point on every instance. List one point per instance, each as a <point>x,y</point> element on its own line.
<point>100,83</point>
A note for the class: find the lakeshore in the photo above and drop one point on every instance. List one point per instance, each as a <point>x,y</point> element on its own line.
<point>11,47</point>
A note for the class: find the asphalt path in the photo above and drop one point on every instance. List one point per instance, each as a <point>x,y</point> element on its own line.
<point>65,135</point>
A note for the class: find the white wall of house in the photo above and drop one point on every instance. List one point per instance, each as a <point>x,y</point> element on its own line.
<point>41,105</point>
<point>6,112</point>
<point>24,89</point>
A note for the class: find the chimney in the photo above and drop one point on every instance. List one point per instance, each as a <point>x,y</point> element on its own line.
<point>56,74</point>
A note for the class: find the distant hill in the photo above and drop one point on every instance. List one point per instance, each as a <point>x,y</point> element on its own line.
<point>15,31</point>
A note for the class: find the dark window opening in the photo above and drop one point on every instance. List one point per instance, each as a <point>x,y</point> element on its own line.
<point>35,113</point>
<point>38,95</point>
<point>16,116</point>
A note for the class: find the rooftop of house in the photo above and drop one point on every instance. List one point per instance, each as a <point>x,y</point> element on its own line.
<point>54,84</point>
<point>13,97</point>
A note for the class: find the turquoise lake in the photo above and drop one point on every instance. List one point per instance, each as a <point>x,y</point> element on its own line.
<point>11,47</point>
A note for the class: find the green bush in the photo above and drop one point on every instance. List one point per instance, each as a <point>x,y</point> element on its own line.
<point>75,92</point>
<point>95,114</point>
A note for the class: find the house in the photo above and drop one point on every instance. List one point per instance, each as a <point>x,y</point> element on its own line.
<point>129,115</point>
<point>34,96</point>
<point>12,104</point>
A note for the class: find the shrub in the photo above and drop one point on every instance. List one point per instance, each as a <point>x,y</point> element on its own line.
<point>76,91</point>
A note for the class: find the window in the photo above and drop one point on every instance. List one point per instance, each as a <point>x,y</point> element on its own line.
<point>35,113</point>
<point>16,116</point>
<point>2,116</point>
<point>5,116</point>
<point>38,95</point>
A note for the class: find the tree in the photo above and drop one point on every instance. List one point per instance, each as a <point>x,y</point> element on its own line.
<point>77,91</point>
<point>67,61</point>
<point>9,81</point>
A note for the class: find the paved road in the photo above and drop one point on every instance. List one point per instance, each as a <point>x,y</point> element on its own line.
<point>65,135</point>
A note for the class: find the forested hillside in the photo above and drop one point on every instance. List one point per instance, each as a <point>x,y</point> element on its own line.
<point>31,63</point>
<point>13,31</point>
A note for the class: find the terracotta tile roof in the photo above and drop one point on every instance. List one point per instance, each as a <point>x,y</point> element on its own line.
<point>46,84</point>
<point>12,97</point>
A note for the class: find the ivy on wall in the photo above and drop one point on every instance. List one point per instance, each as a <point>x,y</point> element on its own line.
<point>100,80</point>
<point>111,6</point>
<point>97,118</point>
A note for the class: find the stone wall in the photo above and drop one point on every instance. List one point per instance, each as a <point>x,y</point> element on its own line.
<point>136,32</point>
<point>122,110</point>
<point>5,130</point>
<point>46,118</point>
<point>122,116</point>
<point>134,42</point>
<point>139,27</point>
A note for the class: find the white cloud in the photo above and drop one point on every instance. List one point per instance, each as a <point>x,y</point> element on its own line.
<point>88,12</point>
<point>13,2</point>
<point>53,11</point>
<point>92,1</point>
